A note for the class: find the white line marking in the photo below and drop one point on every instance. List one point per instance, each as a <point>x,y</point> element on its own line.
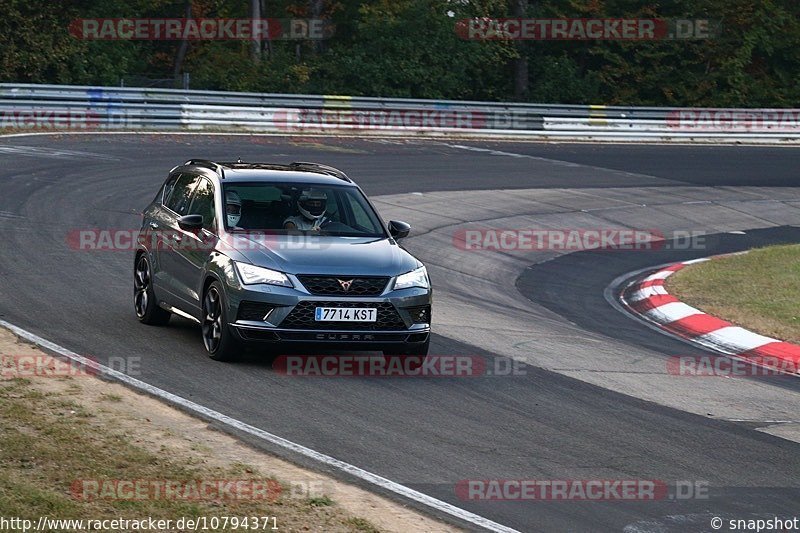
<point>720,140</point>
<point>559,162</point>
<point>33,151</point>
<point>762,421</point>
<point>510,154</point>
<point>647,292</point>
<point>736,338</point>
<point>671,312</point>
<point>695,261</point>
<point>661,274</point>
<point>207,413</point>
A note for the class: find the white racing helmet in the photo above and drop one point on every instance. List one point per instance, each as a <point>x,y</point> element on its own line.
<point>312,204</point>
<point>233,208</point>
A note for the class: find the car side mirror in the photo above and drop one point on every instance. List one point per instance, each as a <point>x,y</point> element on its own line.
<point>191,222</point>
<point>398,229</point>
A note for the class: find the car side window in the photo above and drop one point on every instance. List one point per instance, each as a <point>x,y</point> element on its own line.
<point>169,185</point>
<point>181,194</point>
<point>203,204</point>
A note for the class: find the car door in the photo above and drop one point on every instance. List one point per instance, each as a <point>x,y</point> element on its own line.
<point>171,240</point>
<point>156,217</point>
<point>192,255</point>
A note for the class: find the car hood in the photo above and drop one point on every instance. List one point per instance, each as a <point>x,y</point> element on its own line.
<point>325,255</point>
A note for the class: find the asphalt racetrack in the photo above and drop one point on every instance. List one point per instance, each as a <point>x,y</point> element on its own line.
<point>593,401</point>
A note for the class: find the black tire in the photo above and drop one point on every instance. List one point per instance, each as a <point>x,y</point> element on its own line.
<point>220,342</point>
<point>144,299</point>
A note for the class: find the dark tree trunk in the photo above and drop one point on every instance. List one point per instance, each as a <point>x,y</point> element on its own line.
<point>519,9</point>
<point>315,9</point>
<point>255,45</point>
<point>267,44</point>
<point>180,56</point>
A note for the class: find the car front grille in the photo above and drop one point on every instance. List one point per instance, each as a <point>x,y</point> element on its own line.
<point>302,317</point>
<point>335,285</point>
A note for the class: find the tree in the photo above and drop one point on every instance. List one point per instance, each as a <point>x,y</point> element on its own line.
<point>519,8</point>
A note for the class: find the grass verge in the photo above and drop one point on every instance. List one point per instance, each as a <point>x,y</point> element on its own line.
<point>48,441</point>
<point>759,290</point>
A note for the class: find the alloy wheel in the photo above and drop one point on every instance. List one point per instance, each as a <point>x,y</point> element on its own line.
<point>212,320</point>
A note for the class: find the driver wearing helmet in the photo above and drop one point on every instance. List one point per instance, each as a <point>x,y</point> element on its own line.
<point>233,208</point>
<point>312,205</point>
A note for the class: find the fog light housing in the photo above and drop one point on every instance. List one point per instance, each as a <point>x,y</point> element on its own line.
<point>257,311</point>
<point>420,314</point>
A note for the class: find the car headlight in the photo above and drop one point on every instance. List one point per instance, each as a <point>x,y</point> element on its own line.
<point>252,275</point>
<point>415,278</point>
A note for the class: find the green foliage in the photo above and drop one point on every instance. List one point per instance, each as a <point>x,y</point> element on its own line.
<point>752,63</point>
<point>560,78</point>
<point>34,44</point>
<point>409,48</point>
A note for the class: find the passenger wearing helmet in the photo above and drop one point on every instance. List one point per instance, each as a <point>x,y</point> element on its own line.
<point>312,205</point>
<point>233,208</point>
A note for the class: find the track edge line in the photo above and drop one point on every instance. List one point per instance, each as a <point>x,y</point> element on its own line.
<point>209,414</point>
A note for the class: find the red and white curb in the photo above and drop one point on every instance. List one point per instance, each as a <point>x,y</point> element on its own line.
<point>648,298</point>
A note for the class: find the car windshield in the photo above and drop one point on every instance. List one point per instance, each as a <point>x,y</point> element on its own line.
<point>286,208</point>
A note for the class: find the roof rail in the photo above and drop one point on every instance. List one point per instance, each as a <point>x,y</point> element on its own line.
<point>326,169</point>
<point>216,167</point>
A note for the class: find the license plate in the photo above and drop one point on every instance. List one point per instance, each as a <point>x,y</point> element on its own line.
<point>345,314</point>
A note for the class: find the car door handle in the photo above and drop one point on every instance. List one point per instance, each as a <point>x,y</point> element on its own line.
<point>153,225</point>
<point>177,237</point>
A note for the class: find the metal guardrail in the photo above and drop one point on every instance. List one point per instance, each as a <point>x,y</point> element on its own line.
<point>64,107</point>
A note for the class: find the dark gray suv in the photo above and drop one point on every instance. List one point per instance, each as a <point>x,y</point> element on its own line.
<point>272,255</point>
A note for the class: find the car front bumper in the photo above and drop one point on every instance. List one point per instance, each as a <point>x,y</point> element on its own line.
<point>281,324</point>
